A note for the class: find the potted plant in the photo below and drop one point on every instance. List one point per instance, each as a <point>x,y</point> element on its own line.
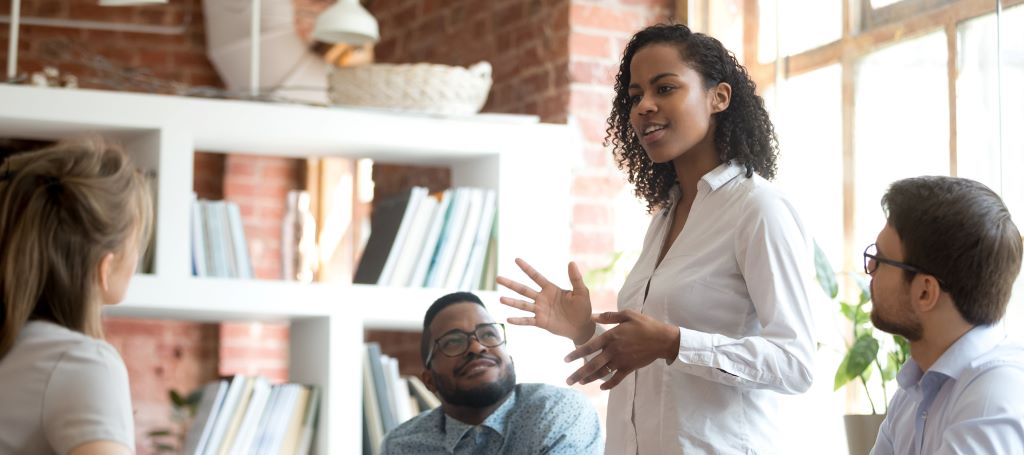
<point>872,357</point>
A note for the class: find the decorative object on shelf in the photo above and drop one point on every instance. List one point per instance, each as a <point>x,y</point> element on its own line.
<point>298,237</point>
<point>51,77</point>
<point>346,22</point>
<point>420,87</point>
<point>861,357</point>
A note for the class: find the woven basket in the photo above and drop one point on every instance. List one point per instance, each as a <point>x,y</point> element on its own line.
<point>420,87</point>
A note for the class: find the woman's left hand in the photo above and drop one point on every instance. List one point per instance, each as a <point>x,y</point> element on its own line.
<point>636,341</point>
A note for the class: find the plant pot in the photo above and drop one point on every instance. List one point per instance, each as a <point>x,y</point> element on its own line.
<point>861,432</point>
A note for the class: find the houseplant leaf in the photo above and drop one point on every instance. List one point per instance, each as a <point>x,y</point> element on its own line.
<point>826,276</point>
<point>861,354</point>
<point>841,377</point>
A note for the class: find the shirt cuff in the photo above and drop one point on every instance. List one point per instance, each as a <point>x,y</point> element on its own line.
<point>696,348</point>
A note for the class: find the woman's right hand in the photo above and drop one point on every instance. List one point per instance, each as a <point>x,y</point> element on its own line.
<point>561,312</point>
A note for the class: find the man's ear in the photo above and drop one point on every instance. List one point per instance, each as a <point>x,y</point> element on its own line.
<point>925,292</point>
<point>721,96</point>
<point>428,380</point>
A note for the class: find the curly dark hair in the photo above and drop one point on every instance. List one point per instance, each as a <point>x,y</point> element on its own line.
<point>743,132</point>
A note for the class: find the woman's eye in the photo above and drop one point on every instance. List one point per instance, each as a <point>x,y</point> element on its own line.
<point>634,99</point>
<point>665,89</point>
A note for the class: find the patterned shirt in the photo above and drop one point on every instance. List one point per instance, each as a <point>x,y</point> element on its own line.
<point>535,419</point>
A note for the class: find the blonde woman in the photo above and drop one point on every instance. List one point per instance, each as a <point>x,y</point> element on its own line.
<point>72,220</point>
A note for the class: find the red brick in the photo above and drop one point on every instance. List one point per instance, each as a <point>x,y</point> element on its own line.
<point>593,73</point>
<point>591,101</point>
<point>592,242</point>
<point>602,17</point>
<point>591,214</point>
<point>589,45</point>
<point>596,186</point>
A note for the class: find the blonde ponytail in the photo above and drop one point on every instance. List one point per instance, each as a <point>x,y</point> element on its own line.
<point>61,210</point>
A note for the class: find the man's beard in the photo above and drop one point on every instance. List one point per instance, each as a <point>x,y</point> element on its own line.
<point>481,396</point>
<point>908,327</point>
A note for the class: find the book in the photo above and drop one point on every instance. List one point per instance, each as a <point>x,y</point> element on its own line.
<point>237,413</point>
<point>293,427</point>
<point>372,425</point>
<point>206,414</point>
<point>253,412</point>
<point>413,247</point>
<point>239,246</point>
<point>384,224</point>
<point>262,428</point>
<point>226,413</point>
<point>309,421</point>
<point>430,241</point>
<point>464,239</point>
<point>416,197</point>
<point>199,245</point>
<point>475,265</point>
<point>427,400</point>
<point>384,397</point>
<point>449,239</point>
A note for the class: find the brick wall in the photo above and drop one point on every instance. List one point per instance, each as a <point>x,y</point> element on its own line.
<point>551,58</point>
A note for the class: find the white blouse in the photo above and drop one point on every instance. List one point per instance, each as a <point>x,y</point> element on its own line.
<point>738,281</point>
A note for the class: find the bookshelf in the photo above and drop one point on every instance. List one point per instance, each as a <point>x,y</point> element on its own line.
<point>526,162</point>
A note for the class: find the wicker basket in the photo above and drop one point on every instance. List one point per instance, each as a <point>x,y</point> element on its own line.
<point>420,87</point>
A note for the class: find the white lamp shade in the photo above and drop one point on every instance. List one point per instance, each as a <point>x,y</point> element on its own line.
<point>346,22</point>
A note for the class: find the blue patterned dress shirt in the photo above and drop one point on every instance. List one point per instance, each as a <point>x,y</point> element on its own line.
<point>971,401</point>
<point>535,419</point>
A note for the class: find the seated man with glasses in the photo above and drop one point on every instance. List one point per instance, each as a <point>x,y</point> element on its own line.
<point>941,275</point>
<point>483,410</point>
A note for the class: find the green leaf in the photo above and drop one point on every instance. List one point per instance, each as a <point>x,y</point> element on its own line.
<point>892,367</point>
<point>841,377</point>
<point>826,275</point>
<point>861,355</point>
<point>865,288</point>
<point>849,311</point>
<point>177,399</point>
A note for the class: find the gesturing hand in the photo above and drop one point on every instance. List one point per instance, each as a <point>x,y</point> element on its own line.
<point>561,312</point>
<point>634,343</point>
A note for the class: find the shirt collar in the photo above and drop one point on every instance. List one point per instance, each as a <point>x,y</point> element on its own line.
<point>454,430</point>
<point>957,357</point>
<point>723,174</point>
<point>713,180</point>
<point>970,346</point>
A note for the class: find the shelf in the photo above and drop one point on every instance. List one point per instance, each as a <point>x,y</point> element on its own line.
<point>270,128</point>
<point>220,299</point>
<point>225,299</point>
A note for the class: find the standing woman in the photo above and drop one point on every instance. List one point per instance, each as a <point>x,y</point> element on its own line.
<point>714,320</point>
<point>73,219</point>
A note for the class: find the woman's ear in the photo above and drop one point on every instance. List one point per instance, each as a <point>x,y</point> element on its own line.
<point>721,96</point>
<point>103,271</point>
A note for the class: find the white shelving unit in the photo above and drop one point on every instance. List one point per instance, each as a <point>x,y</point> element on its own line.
<point>526,162</point>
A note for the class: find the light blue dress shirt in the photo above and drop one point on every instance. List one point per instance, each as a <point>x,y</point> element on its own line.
<point>535,419</point>
<point>971,401</point>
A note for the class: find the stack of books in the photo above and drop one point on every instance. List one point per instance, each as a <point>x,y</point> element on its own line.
<point>219,248</point>
<point>444,240</point>
<point>248,415</point>
<point>389,399</point>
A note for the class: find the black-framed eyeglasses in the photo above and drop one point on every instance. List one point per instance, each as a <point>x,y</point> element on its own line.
<point>455,342</point>
<point>872,259</point>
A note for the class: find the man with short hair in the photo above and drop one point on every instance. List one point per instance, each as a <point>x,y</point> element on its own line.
<point>941,274</point>
<point>482,410</point>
